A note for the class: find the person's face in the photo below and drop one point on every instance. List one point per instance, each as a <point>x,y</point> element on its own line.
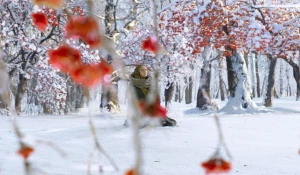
<point>143,71</point>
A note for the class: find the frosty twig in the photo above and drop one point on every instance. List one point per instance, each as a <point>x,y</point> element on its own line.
<point>98,146</point>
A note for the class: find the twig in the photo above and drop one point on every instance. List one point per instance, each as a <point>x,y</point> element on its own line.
<point>90,162</point>
<point>135,118</point>
<point>155,29</point>
<point>220,133</point>
<point>90,6</point>
<point>5,91</point>
<point>97,144</point>
<point>99,147</point>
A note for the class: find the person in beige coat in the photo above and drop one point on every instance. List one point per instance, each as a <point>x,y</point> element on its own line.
<point>141,82</point>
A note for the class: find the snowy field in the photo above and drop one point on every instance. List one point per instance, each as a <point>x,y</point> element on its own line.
<point>261,144</point>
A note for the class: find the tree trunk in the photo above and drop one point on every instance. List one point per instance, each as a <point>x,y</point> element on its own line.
<point>109,98</point>
<point>3,104</point>
<point>231,74</point>
<point>263,86</point>
<point>79,97</point>
<point>257,76</point>
<point>271,81</point>
<point>238,82</point>
<point>252,70</point>
<point>296,75</point>
<point>281,79</point>
<point>246,60</point>
<point>289,90</point>
<point>109,95</point>
<point>176,92</point>
<point>31,95</point>
<point>221,87</point>
<point>203,94</point>
<point>169,91</point>
<point>75,97</point>
<point>191,89</point>
<point>288,87</point>
<point>5,101</point>
<point>298,90</point>
<point>188,90</point>
<point>22,85</point>
<point>47,108</point>
<point>110,18</point>
<point>20,93</point>
<point>179,94</point>
<point>275,94</point>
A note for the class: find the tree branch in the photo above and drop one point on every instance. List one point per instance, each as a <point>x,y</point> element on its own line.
<point>51,32</point>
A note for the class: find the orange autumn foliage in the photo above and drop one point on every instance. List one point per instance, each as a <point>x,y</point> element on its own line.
<point>68,60</point>
<point>65,58</point>
<point>130,172</point>
<point>56,4</point>
<point>227,53</point>
<point>25,152</point>
<point>216,165</point>
<point>40,20</point>
<point>85,28</point>
<point>150,44</point>
<point>153,109</point>
<point>90,75</point>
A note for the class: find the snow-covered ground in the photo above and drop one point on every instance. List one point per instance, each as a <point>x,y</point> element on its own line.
<point>261,144</point>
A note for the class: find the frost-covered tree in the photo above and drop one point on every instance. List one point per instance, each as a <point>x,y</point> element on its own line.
<point>26,52</point>
<point>22,43</point>
<point>281,23</point>
<point>235,30</point>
